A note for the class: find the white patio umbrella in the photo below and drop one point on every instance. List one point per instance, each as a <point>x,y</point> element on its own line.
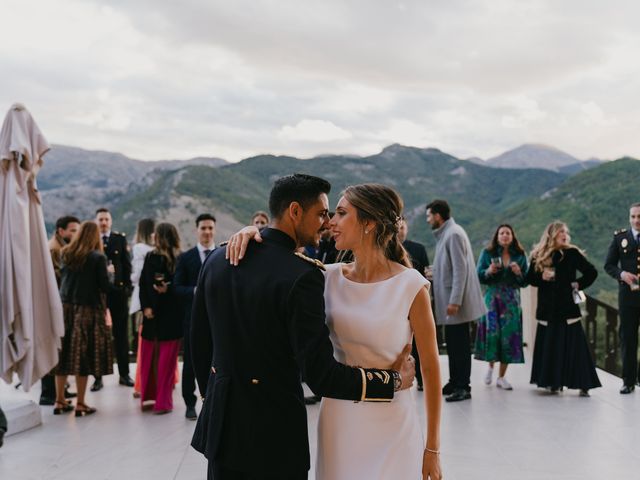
<point>31,323</point>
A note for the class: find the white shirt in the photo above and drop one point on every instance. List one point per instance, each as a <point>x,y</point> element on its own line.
<point>201,250</point>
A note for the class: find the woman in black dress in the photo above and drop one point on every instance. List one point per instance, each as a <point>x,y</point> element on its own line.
<point>561,355</point>
<point>162,324</point>
<point>86,345</point>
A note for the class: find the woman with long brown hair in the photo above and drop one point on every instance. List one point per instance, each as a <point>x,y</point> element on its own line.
<point>374,306</point>
<point>162,324</point>
<point>502,267</point>
<point>86,345</point>
<point>561,356</point>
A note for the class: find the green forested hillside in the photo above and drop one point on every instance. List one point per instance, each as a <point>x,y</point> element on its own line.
<point>593,203</point>
<point>478,194</point>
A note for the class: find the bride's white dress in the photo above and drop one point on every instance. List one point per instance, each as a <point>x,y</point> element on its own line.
<point>369,325</point>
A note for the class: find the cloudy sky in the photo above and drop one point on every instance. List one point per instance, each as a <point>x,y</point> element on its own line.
<point>165,79</point>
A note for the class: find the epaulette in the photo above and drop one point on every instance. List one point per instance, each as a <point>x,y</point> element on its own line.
<point>122,234</point>
<point>314,261</point>
<point>223,244</point>
<point>618,232</point>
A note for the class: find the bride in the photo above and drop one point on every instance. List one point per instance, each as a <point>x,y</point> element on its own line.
<point>373,307</point>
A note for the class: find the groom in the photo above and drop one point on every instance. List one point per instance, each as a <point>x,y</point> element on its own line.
<point>256,326</point>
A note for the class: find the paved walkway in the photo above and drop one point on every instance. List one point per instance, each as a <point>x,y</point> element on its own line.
<point>523,434</point>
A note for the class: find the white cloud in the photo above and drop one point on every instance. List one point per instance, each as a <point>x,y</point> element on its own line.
<point>212,77</point>
<point>313,131</point>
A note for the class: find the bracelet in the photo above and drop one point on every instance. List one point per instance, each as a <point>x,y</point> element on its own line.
<point>435,452</point>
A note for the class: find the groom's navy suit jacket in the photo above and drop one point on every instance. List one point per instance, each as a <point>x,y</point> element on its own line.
<point>259,324</point>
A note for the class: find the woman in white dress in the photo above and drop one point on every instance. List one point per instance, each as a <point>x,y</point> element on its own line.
<point>143,245</point>
<point>374,306</point>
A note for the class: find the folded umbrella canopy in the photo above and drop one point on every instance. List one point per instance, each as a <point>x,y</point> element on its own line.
<point>31,323</point>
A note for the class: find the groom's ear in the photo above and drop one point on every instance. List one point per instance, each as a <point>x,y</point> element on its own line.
<point>295,211</point>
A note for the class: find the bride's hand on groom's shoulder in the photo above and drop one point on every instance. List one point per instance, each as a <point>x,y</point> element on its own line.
<point>431,466</point>
<point>237,244</point>
<point>405,365</point>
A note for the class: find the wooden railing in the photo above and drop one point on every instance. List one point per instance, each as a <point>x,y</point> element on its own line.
<point>601,327</point>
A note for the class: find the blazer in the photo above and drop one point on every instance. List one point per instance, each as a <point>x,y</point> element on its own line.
<point>259,324</point>
<point>166,323</point>
<point>417,255</point>
<point>455,280</point>
<point>624,255</point>
<point>555,298</point>
<point>88,285</point>
<point>117,250</point>
<point>186,279</point>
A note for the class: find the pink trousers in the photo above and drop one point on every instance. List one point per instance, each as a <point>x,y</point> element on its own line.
<point>158,361</point>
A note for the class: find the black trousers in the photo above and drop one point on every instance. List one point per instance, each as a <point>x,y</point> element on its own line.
<point>117,303</point>
<point>414,353</point>
<point>48,384</point>
<point>218,472</point>
<point>188,373</point>
<point>459,351</point>
<point>628,332</point>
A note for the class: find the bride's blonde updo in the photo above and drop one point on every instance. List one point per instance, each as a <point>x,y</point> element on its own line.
<point>383,206</point>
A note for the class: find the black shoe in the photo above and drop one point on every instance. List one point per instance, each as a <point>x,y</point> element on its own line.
<point>61,408</point>
<point>627,389</point>
<point>97,385</point>
<point>68,394</point>
<point>420,388</point>
<point>191,413</point>
<point>458,395</point>
<point>1,437</point>
<point>126,381</point>
<point>448,389</point>
<point>312,400</point>
<point>46,401</point>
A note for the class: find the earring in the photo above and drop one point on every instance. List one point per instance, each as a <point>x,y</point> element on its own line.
<point>366,232</point>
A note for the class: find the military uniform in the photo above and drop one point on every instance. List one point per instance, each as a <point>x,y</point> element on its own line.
<point>624,255</point>
<point>117,251</point>
<point>259,325</point>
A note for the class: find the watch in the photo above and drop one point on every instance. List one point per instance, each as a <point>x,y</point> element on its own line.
<point>397,380</point>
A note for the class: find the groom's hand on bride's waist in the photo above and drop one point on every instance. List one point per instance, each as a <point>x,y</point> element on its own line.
<point>405,365</point>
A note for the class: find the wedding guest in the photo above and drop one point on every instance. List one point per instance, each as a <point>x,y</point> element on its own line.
<point>420,262</point>
<point>260,219</point>
<point>502,267</point>
<point>162,324</point>
<point>623,264</point>
<point>66,228</point>
<point>185,280</point>
<point>457,295</point>
<point>561,356</point>
<point>143,245</point>
<point>86,345</point>
<point>117,251</point>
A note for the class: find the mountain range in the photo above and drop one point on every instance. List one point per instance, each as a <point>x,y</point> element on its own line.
<point>482,194</point>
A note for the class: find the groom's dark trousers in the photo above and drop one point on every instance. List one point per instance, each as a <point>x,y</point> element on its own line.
<point>259,325</point>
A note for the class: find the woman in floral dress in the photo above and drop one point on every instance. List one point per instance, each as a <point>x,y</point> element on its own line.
<point>502,267</point>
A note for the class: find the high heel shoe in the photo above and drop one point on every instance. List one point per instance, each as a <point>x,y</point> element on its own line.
<point>62,407</point>
<point>85,410</point>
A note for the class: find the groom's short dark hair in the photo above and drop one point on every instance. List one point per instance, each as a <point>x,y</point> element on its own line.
<point>299,187</point>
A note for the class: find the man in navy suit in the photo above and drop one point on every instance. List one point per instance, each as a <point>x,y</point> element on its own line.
<point>185,280</point>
